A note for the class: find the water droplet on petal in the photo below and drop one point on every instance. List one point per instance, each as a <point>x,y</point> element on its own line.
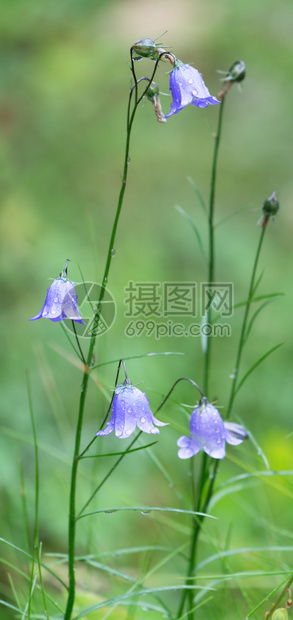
<point>128,432</point>
<point>142,420</point>
<point>190,81</point>
<point>56,300</point>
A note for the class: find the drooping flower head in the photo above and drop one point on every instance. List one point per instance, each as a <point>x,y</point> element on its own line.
<point>130,408</point>
<point>209,432</point>
<point>187,86</point>
<point>61,301</point>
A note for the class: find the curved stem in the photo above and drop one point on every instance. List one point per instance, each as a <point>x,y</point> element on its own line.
<point>72,500</point>
<point>72,518</point>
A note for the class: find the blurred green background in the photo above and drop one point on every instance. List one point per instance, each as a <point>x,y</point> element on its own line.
<point>63,96</point>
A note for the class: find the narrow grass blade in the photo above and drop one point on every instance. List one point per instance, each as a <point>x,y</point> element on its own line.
<point>255,315</point>
<point>149,591</point>
<point>193,226</point>
<point>199,195</point>
<point>259,361</point>
<point>230,216</point>
<point>145,510</point>
<point>95,456</point>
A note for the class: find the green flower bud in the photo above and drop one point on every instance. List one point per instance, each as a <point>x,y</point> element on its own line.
<point>269,209</point>
<point>152,91</point>
<point>271,205</point>
<point>280,614</point>
<point>236,73</point>
<point>145,48</point>
<point>153,96</point>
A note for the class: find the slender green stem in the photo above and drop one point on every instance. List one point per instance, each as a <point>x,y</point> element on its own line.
<point>244,324</point>
<point>203,477</point>
<point>211,273</point>
<point>36,528</point>
<point>72,499</point>
<point>285,589</point>
<point>78,343</point>
<point>207,358</point>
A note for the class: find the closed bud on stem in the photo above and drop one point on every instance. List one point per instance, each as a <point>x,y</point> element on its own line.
<point>236,73</point>
<point>280,614</point>
<point>152,94</point>
<point>270,208</point>
<point>145,48</point>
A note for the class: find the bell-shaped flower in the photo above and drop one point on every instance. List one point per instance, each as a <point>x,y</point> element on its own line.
<point>187,86</point>
<point>60,302</point>
<point>209,432</point>
<point>130,408</point>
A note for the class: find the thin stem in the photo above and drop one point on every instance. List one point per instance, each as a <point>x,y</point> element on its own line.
<point>78,343</point>
<point>211,272</point>
<point>36,528</point>
<point>285,589</point>
<point>211,278</point>
<point>204,507</point>
<point>244,324</point>
<point>108,475</point>
<point>72,499</point>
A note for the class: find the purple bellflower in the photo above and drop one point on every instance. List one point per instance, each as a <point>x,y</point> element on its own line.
<point>187,86</point>
<point>130,408</point>
<point>209,432</point>
<point>61,301</point>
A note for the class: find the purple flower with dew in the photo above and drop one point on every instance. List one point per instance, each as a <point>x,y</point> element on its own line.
<point>61,301</point>
<point>130,408</point>
<point>187,86</point>
<point>209,432</point>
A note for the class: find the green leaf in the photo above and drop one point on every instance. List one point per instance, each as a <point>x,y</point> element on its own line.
<point>259,361</point>
<point>255,315</point>
<point>96,456</point>
<point>229,217</point>
<point>193,226</point>
<point>199,195</point>
<point>145,510</point>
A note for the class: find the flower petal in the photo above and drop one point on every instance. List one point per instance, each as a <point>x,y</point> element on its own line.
<point>188,447</point>
<point>235,433</point>
<point>109,428</point>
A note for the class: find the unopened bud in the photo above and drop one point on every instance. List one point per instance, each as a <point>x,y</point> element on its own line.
<point>236,73</point>
<point>270,208</point>
<point>152,94</point>
<point>145,48</point>
<point>280,614</point>
<point>152,91</point>
<point>271,205</point>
